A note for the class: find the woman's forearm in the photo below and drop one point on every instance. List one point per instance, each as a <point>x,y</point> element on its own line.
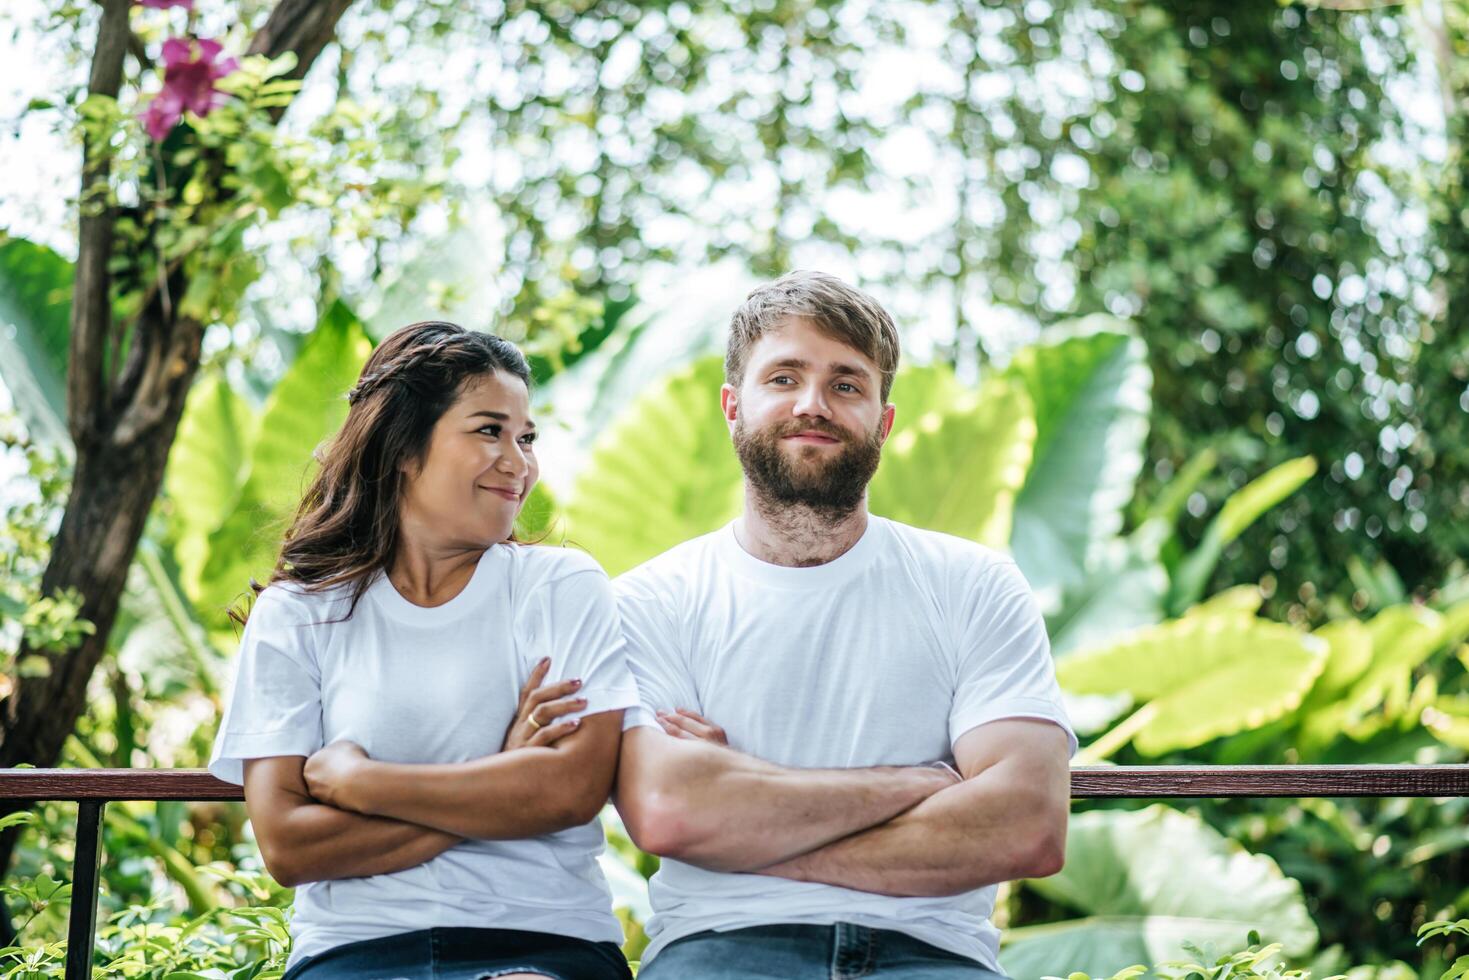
<point>522,793</point>
<point>316,842</point>
<point>304,840</point>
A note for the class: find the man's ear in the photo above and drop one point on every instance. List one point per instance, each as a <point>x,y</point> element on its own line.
<point>889,412</point>
<point>729,403</point>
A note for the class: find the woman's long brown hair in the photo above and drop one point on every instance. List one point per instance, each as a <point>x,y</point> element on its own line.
<point>346,526</point>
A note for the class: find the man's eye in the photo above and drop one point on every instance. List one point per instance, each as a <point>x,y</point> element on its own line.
<point>778,379</point>
<point>845,386</point>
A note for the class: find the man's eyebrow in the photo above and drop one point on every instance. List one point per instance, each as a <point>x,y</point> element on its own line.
<point>497,416</point>
<point>836,367</point>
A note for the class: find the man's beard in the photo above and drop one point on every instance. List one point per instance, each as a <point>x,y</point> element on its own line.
<point>832,489</point>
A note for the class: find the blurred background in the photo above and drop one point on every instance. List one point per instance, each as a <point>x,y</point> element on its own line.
<point>1182,290</point>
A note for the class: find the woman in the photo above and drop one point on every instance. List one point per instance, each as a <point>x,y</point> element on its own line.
<point>404,766</point>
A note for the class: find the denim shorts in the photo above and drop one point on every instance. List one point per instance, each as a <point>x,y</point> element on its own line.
<point>464,954</point>
<point>809,952</point>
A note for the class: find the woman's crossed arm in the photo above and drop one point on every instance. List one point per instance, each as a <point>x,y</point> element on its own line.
<point>304,840</point>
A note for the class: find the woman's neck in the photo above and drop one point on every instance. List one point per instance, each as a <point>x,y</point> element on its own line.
<point>431,574</point>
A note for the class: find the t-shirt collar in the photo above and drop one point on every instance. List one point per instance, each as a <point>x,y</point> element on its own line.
<point>840,569</point>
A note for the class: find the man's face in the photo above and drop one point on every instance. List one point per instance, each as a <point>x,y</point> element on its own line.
<point>807,420</point>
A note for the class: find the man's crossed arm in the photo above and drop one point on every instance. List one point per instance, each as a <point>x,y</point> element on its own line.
<point>893,831</point>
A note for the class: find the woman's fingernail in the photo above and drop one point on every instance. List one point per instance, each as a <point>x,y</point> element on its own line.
<point>576,682</point>
<point>573,723</point>
<point>544,661</point>
<point>581,702</point>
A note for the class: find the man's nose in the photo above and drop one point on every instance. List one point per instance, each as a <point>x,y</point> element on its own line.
<point>812,401</point>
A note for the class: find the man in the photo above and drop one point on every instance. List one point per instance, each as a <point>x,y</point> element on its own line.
<point>809,673</point>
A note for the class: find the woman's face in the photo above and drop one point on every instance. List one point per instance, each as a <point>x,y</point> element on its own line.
<point>479,467</point>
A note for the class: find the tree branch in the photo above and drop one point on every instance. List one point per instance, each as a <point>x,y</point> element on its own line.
<point>91,304</point>
<point>302,26</point>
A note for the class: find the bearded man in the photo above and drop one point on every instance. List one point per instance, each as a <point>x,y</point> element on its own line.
<point>850,729</point>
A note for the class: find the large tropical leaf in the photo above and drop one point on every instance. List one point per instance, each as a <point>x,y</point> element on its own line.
<point>35,330</point>
<point>1402,638</point>
<point>1123,590</point>
<point>922,392</point>
<point>664,472</point>
<point>305,408</point>
<point>206,470</point>
<point>1243,508</point>
<point>1200,678</point>
<point>672,326</point>
<point>1147,882</point>
<point>959,465</point>
<point>1092,393</point>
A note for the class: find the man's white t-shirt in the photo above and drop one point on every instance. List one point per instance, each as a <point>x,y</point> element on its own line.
<point>885,656</point>
<point>440,684</point>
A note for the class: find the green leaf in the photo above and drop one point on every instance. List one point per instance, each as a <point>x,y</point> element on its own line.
<point>664,472</point>
<point>1147,882</point>
<point>1201,678</point>
<point>1245,599</point>
<point>538,515</point>
<point>35,333</point>
<point>1091,389</point>
<point>1122,591</point>
<point>17,819</point>
<point>206,470</point>
<point>958,467</point>
<point>1245,506</point>
<point>1172,499</point>
<point>1448,719</point>
<point>303,410</point>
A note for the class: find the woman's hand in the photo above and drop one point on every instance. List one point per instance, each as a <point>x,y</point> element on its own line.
<point>684,723</point>
<point>538,709</point>
<point>329,773</point>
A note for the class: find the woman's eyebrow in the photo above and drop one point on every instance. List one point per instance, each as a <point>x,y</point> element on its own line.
<point>498,417</point>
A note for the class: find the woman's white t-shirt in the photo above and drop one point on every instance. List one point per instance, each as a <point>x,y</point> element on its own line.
<point>440,684</point>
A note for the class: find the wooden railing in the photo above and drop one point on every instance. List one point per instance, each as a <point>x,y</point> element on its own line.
<point>93,789</point>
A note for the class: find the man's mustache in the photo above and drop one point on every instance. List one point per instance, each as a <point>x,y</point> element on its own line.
<point>820,426</point>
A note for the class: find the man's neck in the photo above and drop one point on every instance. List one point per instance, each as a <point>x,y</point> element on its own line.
<point>795,535</point>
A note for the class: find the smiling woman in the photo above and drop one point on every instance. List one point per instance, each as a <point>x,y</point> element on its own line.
<point>427,714</point>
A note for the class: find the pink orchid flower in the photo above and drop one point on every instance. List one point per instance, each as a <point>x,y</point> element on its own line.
<point>190,70</point>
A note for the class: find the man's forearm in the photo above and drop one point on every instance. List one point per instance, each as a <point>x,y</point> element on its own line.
<point>720,809</point>
<point>977,833</point>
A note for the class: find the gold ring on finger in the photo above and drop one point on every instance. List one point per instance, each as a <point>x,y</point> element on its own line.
<point>535,726</point>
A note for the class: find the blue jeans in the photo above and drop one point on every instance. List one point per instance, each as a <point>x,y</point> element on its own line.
<point>807,952</point>
<point>464,954</point>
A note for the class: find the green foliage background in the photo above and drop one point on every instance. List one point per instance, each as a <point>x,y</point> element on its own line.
<point>1188,345</point>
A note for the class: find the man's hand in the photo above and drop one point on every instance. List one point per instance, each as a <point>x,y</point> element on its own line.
<point>684,723</point>
<point>329,772</point>
<point>537,711</point>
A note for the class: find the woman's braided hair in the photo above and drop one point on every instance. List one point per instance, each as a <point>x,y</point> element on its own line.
<point>346,527</point>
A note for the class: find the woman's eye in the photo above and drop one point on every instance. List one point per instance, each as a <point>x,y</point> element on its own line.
<point>529,438</point>
<point>492,430</point>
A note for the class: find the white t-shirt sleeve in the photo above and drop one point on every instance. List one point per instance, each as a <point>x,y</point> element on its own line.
<point>582,635</point>
<point>1005,667</point>
<point>275,705</point>
<point>653,650</point>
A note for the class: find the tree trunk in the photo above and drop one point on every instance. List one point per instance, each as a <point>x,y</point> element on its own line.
<point>124,426</point>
